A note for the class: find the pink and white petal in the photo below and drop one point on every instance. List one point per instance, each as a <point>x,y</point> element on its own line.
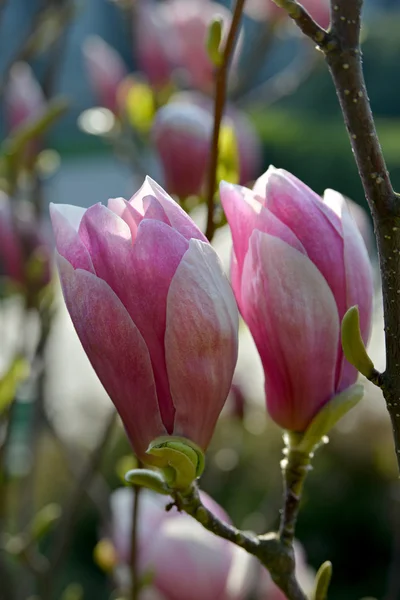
<point>304,216</point>
<point>244,214</point>
<point>154,210</point>
<point>261,184</point>
<point>292,315</point>
<point>157,252</point>
<point>116,350</point>
<point>176,215</point>
<point>65,220</point>
<point>108,239</point>
<point>359,286</point>
<point>200,342</point>
<point>127,212</point>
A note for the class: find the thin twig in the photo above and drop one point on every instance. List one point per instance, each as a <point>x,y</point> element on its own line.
<point>221,78</point>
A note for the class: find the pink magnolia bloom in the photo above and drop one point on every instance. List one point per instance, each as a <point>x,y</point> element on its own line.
<point>153,310</point>
<point>106,70</point>
<point>187,561</point>
<point>171,39</point>
<point>299,262</point>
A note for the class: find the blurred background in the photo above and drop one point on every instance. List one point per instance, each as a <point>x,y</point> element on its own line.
<point>94,95</point>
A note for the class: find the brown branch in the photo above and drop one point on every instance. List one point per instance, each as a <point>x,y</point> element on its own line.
<point>221,79</point>
<point>304,21</point>
<point>341,46</point>
<point>271,551</point>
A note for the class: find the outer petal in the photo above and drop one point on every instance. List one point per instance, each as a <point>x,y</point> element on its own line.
<point>140,275</point>
<point>65,220</point>
<point>116,350</point>
<point>177,217</point>
<point>359,282</point>
<point>293,318</point>
<point>306,217</point>
<point>200,342</point>
<point>246,213</point>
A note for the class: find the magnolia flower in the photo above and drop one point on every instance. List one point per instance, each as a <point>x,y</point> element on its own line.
<point>153,310</point>
<point>299,262</point>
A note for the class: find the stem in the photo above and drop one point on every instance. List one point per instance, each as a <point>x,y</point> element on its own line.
<point>294,469</point>
<point>221,78</point>
<point>135,583</point>
<point>276,556</point>
<point>341,46</point>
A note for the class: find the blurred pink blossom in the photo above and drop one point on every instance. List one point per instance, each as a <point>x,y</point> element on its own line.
<point>182,135</point>
<point>171,40</point>
<point>187,561</point>
<point>25,251</point>
<point>23,97</point>
<point>106,71</point>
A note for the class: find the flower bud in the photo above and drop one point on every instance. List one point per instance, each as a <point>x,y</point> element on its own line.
<point>153,310</point>
<point>182,134</point>
<point>299,262</point>
<point>106,70</point>
<point>186,560</point>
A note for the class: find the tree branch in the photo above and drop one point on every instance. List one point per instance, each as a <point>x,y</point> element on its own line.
<point>221,79</point>
<point>271,551</point>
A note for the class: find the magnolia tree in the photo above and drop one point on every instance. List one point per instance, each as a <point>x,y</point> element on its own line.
<point>158,317</point>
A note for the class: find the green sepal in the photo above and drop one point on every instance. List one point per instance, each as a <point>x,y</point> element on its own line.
<point>322,581</point>
<point>180,460</point>
<point>213,41</point>
<point>353,345</point>
<point>148,479</point>
<point>326,418</point>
